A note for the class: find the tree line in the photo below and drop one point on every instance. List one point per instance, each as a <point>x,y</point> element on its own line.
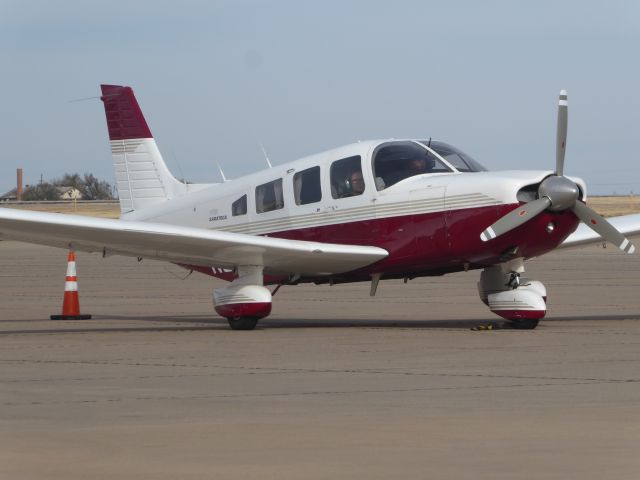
<point>88,185</point>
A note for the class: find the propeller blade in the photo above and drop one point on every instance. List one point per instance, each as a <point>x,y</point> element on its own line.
<point>561,135</point>
<point>602,227</point>
<point>515,218</point>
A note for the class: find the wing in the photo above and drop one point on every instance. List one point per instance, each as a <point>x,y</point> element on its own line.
<point>629,225</point>
<point>186,245</point>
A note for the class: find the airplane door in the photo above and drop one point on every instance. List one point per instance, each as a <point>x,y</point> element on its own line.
<point>348,211</point>
<point>304,192</point>
<point>352,221</point>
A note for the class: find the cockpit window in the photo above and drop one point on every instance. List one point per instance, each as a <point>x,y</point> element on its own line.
<point>460,160</point>
<point>395,161</point>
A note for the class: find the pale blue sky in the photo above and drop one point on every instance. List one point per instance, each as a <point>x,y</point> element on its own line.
<point>216,78</point>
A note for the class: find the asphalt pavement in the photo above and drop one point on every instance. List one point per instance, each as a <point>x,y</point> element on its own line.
<point>334,384</point>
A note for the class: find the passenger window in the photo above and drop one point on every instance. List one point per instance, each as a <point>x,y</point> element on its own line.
<point>239,207</point>
<point>269,196</point>
<point>306,186</point>
<point>396,161</point>
<point>346,177</point>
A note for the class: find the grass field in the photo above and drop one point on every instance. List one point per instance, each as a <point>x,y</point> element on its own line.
<point>607,206</point>
<point>104,210</point>
<point>614,206</point>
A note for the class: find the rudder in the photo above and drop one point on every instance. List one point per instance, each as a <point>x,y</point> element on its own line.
<point>142,177</point>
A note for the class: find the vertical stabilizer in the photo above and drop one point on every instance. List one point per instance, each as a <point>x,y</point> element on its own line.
<point>142,177</point>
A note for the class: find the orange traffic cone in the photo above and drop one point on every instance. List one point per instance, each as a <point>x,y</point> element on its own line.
<point>71,302</point>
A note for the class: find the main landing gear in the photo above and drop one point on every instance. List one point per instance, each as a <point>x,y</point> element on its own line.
<point>242,323</point>
<point>245,300</point>
<point>521,301</point>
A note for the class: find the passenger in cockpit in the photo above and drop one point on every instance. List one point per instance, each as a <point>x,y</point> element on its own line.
<point>357,183</point>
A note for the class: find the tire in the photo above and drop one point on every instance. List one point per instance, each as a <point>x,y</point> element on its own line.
<point>524,324</point>
<point>242,323</point>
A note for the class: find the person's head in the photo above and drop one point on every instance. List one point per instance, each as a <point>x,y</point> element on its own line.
<point>418,165</point>
<point>357,182</point>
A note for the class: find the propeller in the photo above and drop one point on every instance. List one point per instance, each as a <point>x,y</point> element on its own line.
<point>558,193</point>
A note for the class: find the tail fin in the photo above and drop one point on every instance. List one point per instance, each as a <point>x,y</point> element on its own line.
<point>142,177</point>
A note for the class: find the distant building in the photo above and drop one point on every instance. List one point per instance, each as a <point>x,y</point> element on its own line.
<point>64,193</point>
<point>69,193</point>
<point>10,196</point>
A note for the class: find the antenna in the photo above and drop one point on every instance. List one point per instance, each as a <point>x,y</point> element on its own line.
<point>429,144</point>
<point>224,179</point>
<point>266,157</point>
<point>75,100</point>
<point>177,160</point>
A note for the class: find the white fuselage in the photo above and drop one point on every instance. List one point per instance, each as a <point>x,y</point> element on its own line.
<point>211,207</point>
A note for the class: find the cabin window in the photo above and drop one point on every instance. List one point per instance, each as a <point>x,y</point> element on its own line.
<point>269,196</point>
<point>395,161</point>
<point>239,207</point>
<point>346,177</point>
<point>306,186</point>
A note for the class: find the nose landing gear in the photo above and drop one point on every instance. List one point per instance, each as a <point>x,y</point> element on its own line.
<point>519,300</point>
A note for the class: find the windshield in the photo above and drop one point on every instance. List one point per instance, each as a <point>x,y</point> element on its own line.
<point>460,160</point>
<point>395,161</point>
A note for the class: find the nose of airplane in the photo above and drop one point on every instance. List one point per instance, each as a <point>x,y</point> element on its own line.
<point>558,193</point>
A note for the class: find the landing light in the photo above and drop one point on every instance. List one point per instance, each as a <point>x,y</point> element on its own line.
<point>550,227</point>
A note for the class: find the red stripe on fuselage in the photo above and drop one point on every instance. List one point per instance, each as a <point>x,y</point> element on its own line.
<point>433,243</point>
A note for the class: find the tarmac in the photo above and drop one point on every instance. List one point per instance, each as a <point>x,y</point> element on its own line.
<point>334,384</point>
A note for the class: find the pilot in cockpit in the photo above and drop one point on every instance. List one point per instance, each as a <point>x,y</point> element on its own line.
<point>417,163</point>
<point>421,164</point>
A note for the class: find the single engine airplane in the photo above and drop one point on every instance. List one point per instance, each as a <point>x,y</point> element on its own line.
<point>368,211</point>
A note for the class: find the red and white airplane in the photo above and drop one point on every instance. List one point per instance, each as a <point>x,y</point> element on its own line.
<point>368,211</point>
